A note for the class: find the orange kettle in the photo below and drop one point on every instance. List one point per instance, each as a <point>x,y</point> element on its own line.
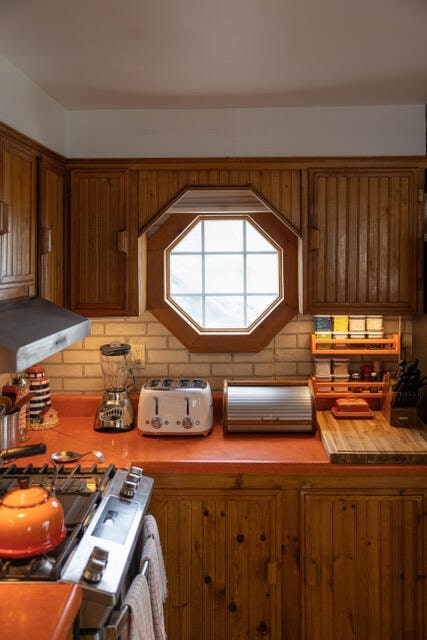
<point>31,522</point>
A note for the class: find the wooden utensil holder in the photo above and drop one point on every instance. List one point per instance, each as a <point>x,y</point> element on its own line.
<point>399,416</point>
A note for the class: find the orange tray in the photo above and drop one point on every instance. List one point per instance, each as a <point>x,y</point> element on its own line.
<point>352,414</point>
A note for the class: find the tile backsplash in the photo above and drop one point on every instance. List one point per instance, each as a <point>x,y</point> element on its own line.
<point>77,369</point>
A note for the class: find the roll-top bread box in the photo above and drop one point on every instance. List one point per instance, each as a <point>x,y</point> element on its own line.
<point>253,406</point>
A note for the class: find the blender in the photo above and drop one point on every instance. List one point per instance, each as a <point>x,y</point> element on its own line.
<point>115,412</point>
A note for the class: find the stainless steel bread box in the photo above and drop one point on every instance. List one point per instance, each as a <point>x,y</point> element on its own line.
<point>260,407</point>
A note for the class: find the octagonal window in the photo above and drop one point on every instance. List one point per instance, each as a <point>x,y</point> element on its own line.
<point>222,269</point>
<point>223,274</point>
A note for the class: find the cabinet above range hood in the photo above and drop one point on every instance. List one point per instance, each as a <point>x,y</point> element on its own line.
<point>33,329</point>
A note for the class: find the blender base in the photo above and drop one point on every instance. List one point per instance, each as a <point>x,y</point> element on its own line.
<point>115,413</point>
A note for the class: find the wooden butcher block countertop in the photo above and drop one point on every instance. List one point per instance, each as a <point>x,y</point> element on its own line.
<point>371,440</point>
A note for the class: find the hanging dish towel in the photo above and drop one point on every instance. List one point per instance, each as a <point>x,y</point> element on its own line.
<point>151,531</point>
<point>156,587</point>
<point>139,601</point>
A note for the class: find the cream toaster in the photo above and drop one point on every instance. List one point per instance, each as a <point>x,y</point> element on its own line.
<point>175,406</point>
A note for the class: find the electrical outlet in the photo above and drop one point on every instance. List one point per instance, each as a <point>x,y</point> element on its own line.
<point>138,355</point>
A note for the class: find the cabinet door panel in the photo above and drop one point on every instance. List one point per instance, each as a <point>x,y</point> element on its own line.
<point>52,231</point>
<point>104,276</point>
<point>220,552</point>
<point>18,234</point>
<point>368,253</point>
<point>363,556</point>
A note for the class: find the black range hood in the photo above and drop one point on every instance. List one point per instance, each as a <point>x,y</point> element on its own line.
<point>33,329</point>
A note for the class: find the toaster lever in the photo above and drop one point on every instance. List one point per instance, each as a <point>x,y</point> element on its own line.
<point>187,422</point>
<point>156,422</point>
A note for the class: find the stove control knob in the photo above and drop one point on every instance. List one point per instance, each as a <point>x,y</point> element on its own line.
<point>128,489</point>
<point>93,571</point>
<point>133,478</point>
<point>136,471</point>
<point>100,555</point>
<point>187,422</point>
<point>156,422</point>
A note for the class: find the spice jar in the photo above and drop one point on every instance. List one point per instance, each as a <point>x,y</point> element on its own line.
<point>374,387</point>
<point>355,377</point>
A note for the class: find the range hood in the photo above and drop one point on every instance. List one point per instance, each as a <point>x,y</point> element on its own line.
<point>33,329</point>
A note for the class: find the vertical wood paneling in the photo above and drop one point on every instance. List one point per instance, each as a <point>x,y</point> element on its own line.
<point>18,263</point>
<point>217,548</point>
<point>52,218</point>
<point>104,278</point>
<point>281,188</point>
<point>360,566</point>
<point>369,249</point>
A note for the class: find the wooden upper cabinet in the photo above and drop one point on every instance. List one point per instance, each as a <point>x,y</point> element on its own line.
<point>18,222</point>
<point>104,242</point>
<point>52,231</point>
<point>364,241</point>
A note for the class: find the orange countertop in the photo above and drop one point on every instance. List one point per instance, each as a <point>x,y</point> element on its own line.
<point>214,453</point>
<point>44,611</point>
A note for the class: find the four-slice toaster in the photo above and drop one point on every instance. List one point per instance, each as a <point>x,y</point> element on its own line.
<point>175,406</point>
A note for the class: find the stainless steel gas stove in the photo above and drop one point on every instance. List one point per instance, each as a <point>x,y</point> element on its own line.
<point>104,510</point>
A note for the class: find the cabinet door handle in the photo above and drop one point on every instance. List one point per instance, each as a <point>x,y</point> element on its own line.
<point>45,240</point>
<point>4,218</point>
<point>314,238</point>
<point>122,241</point>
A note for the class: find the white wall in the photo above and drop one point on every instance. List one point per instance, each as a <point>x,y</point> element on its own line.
<point>319,131</point>
<point>25,107</point>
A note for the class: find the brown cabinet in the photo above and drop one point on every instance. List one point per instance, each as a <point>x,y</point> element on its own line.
<point>294,557</point>
<point>104,244</point>
<point>18,220</point>
<point>221,553</point>
<point>364,240</point>
<point>53,231</point>
<point>362,565</point>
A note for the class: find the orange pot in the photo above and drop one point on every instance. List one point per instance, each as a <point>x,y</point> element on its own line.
<point>31,522</point>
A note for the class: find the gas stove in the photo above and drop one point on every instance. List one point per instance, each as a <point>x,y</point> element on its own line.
<point>104,511</point>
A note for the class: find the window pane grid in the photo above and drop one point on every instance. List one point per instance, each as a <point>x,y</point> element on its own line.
<point>213,289</point>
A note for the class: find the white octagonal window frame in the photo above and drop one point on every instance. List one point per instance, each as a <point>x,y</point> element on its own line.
<point>213,271</point>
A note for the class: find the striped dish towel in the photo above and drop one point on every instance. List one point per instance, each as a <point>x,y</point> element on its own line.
<point>151,531</point>
<point>139,601</point>
<point>156,587</point>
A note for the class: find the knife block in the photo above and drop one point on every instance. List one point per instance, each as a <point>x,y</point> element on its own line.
<point>399,416</point>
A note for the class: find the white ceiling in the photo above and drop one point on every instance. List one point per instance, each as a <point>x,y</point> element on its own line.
<point>135,54</point>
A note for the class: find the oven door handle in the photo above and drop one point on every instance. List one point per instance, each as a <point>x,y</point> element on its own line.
<point>118,626</point>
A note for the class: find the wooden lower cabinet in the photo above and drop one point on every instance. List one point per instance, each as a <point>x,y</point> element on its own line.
<point>285,557</point>
<point>221,551</point>
<point>361,553</point>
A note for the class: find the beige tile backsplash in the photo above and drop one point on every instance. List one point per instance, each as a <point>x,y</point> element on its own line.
<point>77,369</point>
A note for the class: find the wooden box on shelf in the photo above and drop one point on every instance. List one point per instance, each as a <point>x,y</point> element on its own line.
<point>325,393</point>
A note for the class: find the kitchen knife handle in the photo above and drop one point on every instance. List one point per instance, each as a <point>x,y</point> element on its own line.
<point>23,452</point>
